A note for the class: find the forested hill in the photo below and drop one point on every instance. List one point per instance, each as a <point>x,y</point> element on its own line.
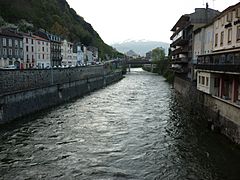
<point>55,16</point>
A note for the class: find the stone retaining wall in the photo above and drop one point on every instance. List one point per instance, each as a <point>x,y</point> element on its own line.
<point>19,104</point>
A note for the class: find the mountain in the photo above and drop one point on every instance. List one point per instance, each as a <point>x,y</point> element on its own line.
<point>131,53</point>
<point>55,16</point>
<point>140,47</point>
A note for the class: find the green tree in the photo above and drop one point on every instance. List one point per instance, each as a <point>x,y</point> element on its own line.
<point>158,54</point>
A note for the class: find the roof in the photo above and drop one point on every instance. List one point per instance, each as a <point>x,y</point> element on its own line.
<point>39,38</point>
<point>181,22</point>
<point>9,33</point>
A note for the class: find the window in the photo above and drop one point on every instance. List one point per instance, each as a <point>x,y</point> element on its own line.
<point>230,35</point>
<point>16,52</point>
<point>16,43</point>
<point>32,49</point>
<point>42,49</point>
<point>222,38</point>
<point>222,20</point>
<point>43,56</point>
<point>27,40</point>
<point>237,13</point>
<point>203,80</point>
<point>27,48</point>
<point>238,33</point>
<point>10,52</point>
<point>32,58</point>
<point>27,58</point>
<point>4,51</point>
<point>217,24</point>
<point>229,17</point>
<point>216,39</point>
<point>207,79</point>
<point>32,41</point>
<point>4,42</point>
<point>21,44</point>
<point>10,42</point>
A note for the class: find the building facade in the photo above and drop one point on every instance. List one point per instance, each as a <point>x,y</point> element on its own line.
<point>29,48</point>
<point>182,40</point>
<point>68,57</point>
<point>55,47</point>
<point>42,52</point>
<point>11,49</point>
<point>219,70</point>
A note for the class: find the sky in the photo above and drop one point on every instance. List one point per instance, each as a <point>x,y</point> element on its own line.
<point>121,20</point>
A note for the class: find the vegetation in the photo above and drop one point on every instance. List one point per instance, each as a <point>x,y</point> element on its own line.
<point>55,16</point>
<point>162,64</point>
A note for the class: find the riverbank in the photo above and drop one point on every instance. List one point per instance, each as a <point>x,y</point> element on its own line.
<point>162,69</point>
<point>222,116</point>
<point>27,92</point>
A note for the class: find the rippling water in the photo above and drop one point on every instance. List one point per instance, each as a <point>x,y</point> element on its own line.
<point>135,129</point>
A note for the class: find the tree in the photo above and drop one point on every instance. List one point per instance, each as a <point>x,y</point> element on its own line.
<point>158,54</point>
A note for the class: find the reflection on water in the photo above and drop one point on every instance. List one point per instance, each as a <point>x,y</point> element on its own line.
<point>135,129</point>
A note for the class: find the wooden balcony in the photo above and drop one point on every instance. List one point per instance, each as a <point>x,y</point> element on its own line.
<point>181,50</point>
<point>179,61</point>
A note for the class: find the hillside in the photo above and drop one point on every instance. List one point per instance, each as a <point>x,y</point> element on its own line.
<point>55,16</point>
<point>140,47</point>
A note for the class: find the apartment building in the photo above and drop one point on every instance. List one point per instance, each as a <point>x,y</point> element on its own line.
<point>218,65</point>
<point>29,60</point>
<point>55,47</point>
<point>67,54</point>
<point>181,48</point>
<point>11,49</point>
<point>42,52</point>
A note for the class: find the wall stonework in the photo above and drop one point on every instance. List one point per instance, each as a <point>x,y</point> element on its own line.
<point>221,115</point>
<point>21,103</point>
<point>19,80</point>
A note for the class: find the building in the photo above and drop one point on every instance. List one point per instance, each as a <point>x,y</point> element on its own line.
<point>149,56</point>
<point>29,48</point>
<point>78,52</point>
<point>218,65</point>
<point>94,51</point>
<point>89,56</point>
<point>55,47</point>
<point>42,52</point>
<point>11,49</point>
<point>182,40</point>
<point>68,57</point>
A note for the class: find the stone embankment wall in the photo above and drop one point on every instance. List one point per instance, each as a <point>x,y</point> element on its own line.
<point>221,114</point>
<point>36,90</point>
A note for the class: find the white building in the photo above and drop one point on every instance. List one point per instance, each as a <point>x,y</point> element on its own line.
<point>42,52</point>
<point>29,60</point>
<point>80,55</point>
<point>68,58</point>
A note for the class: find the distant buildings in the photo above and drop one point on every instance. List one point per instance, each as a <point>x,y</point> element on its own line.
<point>182,40</point>
<point>11,49</point>
<point>42,50</point>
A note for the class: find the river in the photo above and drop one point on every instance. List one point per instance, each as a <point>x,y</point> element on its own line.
<point>138,128</point>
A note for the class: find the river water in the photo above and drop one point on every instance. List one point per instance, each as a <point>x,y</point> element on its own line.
<point>138,128</point>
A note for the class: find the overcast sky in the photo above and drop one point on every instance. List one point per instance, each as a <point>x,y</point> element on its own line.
<point>120,20</point>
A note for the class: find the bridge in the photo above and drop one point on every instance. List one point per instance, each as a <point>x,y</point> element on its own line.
<point>138,62</point>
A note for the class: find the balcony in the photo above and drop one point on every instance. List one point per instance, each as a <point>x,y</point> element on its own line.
<point>180,61</point>
<point>219,67</point>
<point>180,42</point>
<point>180,51</point>
<point>220,63</point>
<point>179,70</point>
